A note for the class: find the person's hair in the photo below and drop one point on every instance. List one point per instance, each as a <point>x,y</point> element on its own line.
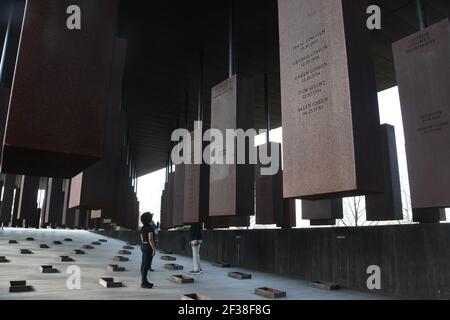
<point>146,218</point>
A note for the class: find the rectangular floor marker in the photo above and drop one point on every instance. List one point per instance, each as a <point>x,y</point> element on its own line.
<point>194,296</point>
<point>3,259</point>
<point>30,239</point>
<point>44,246</point>
<point>220,264</point>
<point>96,243</point>
<point>102,240</point>
<point>57,242</point>
<point>25,251</point>
<point>120,258</point>
<point>110,283</point>
<point>168,258</point>
<point>13,242</point>
<point>239,275</point>
<point>270,293</point>
<point>325,285</point>
<point>68,239</point>
<point>165,252</point>
<point>181,279</point>
<point>66,259</point>
<point>76,251</point>
<point>48,269</point>
<point>128,247</point>
<point>124,252</point>
<point>19,286</point>
<point>115,268</point>
<point>173,266</point>
<point>87,246</point>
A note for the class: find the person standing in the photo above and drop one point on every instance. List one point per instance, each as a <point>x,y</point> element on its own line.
<point>155,230</point>
<point>148,248</point>
<point>196,233</point>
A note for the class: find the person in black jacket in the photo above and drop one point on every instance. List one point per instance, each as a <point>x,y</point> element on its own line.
<point>148,248</point>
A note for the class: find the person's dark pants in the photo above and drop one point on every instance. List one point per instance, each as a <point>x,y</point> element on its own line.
<point>147,257</point>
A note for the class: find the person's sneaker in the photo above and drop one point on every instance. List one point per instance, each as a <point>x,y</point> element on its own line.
<point>200,271</point>
<point>147,285</point>
<point>193,272</point>
<point>151,270</point>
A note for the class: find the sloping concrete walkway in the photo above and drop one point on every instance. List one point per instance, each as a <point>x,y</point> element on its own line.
<point>214,283</point>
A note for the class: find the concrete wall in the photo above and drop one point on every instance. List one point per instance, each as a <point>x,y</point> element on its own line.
<point>414,259</point>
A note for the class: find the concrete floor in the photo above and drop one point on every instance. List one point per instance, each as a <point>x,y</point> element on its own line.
<point>214,283</point>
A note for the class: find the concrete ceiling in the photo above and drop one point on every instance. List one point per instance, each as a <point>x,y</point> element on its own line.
<point>164,43</point>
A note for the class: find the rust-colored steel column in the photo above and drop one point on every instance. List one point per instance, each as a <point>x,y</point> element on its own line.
<point>60,91</point>
<point>8,197</point>
<point>54,202</point>
<point>27,209</point>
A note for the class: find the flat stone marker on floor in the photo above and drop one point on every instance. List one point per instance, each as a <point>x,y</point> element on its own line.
<point>270,293</point>
<point>124,252</point>
<point>173,266</point>
<point>325,285</point>
<point>25,251</point>
<point>77,251</point>
<point>128,247</point>
<point>96,243</point>
<point>66,259</point>
<point>132,243</point>
<point>3,259</point>
<point>44,246</point>
<point>102,240</point>
<point>115,268</point>
<point>57,242</point>
<point>48,269</point>
<point>181,279</point>
<point>239,275</point>
<point>165,252</point>
<point>87,246</point>
<point>168,258</point>
<point>220,264</point>
<point>194,296</point>
<point>19,286</point>
<point>30,239</point>
<point>110,283</point>
<point>68,239</point>
<point>13,242</point>
<point>120,258</point>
